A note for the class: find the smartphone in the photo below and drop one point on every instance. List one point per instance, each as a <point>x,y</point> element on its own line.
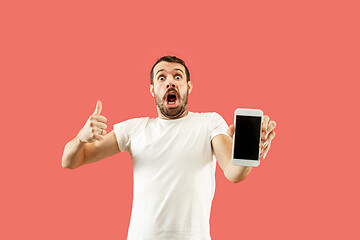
<point>247,137</point>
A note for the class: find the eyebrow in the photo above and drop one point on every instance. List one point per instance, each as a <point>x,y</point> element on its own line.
<point>177,69</point>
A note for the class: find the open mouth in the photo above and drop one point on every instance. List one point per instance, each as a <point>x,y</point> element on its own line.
<point>171,98</point>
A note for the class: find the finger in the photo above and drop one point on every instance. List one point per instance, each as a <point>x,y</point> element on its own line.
<point>264,127</point>
<point>264,135</point>
<point>262,153</point>
<point>98,137</point>
<point>100,131</point>
<point>266,150</point>
<point>98,118</point>
<point>262,149</point>
<point>96,124</point>
<point>265,123</point>
<point>101,125</point>
<point>230,130</point>
<point>264,144</point>
<point>98,108</point>
<point>271,126</point>
<point>271,136</point>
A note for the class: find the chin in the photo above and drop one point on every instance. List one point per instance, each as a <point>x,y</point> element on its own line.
<point>172,113</point>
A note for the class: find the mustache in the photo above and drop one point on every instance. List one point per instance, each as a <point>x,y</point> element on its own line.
<point>173,90</point>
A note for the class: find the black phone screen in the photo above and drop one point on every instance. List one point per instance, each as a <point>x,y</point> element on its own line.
<point>247,137</point>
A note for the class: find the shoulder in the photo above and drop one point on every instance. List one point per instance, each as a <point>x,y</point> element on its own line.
<point>206,115</point>
<point>209,119</point>
<point>132,124</point>
<point>133,121</point>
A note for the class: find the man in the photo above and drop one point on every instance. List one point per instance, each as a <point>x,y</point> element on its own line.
<point>172,155</point>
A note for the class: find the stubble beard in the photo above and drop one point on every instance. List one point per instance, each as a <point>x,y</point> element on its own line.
<point>172,113</point>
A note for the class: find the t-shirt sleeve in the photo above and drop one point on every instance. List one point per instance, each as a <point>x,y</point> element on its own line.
<point>124,132</point>
<point>217,125</point>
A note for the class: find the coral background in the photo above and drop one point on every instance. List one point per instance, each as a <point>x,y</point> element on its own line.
<point>298,61</point>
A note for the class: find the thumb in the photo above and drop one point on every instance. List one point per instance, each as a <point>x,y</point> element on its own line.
<point>98,108</point>
<point>231,130</point>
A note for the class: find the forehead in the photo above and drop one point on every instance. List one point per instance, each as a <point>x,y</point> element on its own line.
<point>168,67</point>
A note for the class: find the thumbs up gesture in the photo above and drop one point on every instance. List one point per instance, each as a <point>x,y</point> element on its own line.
<point>94,128</point>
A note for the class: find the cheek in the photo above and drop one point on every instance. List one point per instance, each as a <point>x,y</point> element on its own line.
<point>158,91</point>
<point>158,87</point>
<point>184,88</point>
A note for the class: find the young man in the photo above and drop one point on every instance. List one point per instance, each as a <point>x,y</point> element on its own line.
<point>172,155</point>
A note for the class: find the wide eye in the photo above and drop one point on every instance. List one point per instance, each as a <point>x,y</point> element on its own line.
<point>177,77</point>
<point>161,78</point>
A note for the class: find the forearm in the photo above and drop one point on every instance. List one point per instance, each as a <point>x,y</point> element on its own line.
<point>73,153</point>
<point>236,173</point>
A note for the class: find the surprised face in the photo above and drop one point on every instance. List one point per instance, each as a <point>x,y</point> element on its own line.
<point>170,90</point>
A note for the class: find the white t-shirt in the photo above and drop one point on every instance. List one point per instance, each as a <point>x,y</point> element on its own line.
<point>174,175</point>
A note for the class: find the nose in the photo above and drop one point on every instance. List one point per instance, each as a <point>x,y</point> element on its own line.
<point>170,85</point>
<point>171,82</point>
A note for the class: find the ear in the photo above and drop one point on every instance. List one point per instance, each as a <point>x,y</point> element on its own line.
<point>190,86</point>
<point>152,90</point>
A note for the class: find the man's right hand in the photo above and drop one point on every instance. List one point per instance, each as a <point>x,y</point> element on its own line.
<point>95,126</point>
